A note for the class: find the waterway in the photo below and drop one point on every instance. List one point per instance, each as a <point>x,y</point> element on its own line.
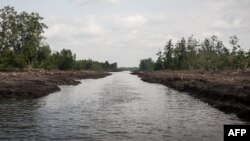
<point>117,107</point>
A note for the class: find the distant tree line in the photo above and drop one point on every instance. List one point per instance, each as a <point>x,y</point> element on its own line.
<point>95,65</point>
<point>22,45</point>
<point>190,54</point>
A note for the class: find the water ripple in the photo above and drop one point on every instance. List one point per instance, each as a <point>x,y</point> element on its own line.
<point>118,107</point>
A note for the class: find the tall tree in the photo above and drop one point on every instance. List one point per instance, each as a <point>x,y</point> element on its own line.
<point>8,28</point>
<point>181,55</point>
<point>168,55</point>
<point>192,45</point>
<point>159,64</point>
<point>31,29</point>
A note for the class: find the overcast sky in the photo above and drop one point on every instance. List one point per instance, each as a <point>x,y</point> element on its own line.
<point>126,31</point>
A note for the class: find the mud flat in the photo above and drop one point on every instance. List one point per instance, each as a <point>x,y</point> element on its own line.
<point>228,91</point>
<point>35,84</point>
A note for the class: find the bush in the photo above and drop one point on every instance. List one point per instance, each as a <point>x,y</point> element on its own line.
<point>9,61</point>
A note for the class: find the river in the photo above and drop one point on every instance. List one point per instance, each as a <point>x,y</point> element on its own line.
<point>118,107</point>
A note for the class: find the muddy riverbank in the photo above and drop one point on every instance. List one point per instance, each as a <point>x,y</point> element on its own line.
<point>35,84</point>
<point>227,91</point>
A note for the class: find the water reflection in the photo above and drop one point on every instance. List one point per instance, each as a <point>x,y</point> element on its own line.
<point>118,107</point>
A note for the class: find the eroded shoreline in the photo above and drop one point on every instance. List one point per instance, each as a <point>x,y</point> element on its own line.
<point>227,91</point>
<point>36,84</point>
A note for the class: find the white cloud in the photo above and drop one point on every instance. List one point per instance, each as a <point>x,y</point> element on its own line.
<point>131,21</point>
<point>61,32</point>
<point>77,28</point>
<point>89,28</point>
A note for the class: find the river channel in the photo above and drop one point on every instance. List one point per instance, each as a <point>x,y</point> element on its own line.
<point>117,107</point>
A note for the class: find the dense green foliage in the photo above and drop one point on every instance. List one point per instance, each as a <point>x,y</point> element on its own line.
<point>23,46</point>
<point>211,54</point>
<point>94,65</point>
<point>146,64</point>
<point>20,38</point>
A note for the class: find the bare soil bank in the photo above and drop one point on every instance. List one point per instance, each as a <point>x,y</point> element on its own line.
<point>35,84</point>
<point>228,91</point>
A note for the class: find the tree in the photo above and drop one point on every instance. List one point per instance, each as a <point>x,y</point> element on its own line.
<point>21,33</point>
<point>181,55</point>
<point>159,64</point>
<point>113,66</point>
<point>67,59</point>
<point>8,28</point>
<point>43,57</point>
<point>10,61</point>
<point>210,55</point>
<point>168,55</point>
<point>31,29</point>
<point>192,45</point>
<point>234,42</point>
<point>238,57</point>
<point>94,65</point>
<point>22,45</point>
<point>147,64</point>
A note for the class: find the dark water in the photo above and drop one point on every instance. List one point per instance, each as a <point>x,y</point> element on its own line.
<point>118,107</point>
